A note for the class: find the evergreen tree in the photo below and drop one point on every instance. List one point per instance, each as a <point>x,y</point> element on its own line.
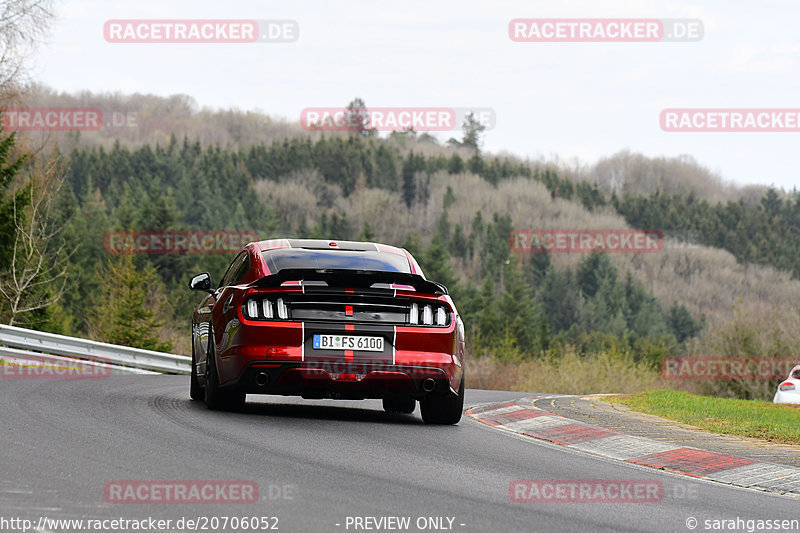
<point>520,314</point>
<point>458,244</point>
<point>538,266</point>
<point>449,198</point>
<point>10,167</point>
<point>125,310</point>
<point>593,271</point>
<point>386,170</point>
<point>340,228</point>
<point>435,263</point>
<point>455,165</point>
<point>682,324</point>
<point>366,233</point>
<point>560,298</point>
<point>409,185</point>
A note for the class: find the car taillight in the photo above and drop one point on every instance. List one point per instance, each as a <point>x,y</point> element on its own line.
<point>283,312</point>
<point>787,386</point>
<point>265,309</point>
<point>413,314</point>
<point>441,317</point>
<point>429,315</point>
<point>252,308</point>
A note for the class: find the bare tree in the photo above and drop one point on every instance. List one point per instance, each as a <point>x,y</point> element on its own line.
<point>36,277</point>
<point>22,24</point>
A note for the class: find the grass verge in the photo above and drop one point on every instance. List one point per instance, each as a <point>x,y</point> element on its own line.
<point>747,418</point>
<point>568,373</point>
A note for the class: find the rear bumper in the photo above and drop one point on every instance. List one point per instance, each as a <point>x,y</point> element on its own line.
<point>786,397</point>
<point>284,352</point>
<point>344,380</point>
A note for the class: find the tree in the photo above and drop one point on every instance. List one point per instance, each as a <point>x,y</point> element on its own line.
<point>411,166</point>
<point>560,298</point>
<point>458,243</point>
<point>537,267</point>
<point>366,232</point>
<point>771,202</point>
<point>590,195</point>
<point>412,244</point>
<point>127,305</point>
<point>435,263</point>
<point>10,168</point>
<point>22,23</point>
<point>83,235</point>
<point>358,118</point>
<point>34,263</point>
<point>442,230</point>
<point>449,198</point>
<point>521,316</point>
<point>426,137</point>
<point>455,165</point>
<point>682,324</point>
<point>495,251</point>
<point>339,227</point>
<point>386,169</point>
<point>472,129</point>
<point>593,272</point>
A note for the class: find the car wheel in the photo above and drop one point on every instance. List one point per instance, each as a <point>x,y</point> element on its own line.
<point>445,409</point>
<point>217,398</point>
<point>195,390</point>
<point>403,406</point>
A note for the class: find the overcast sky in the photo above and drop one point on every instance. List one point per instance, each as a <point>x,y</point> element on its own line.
<point>578,101</point>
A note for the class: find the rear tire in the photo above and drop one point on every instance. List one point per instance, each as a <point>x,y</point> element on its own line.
<point>216,398</point>
<point>403,406</point>
<point>196,392</point>
<point>446,409</point>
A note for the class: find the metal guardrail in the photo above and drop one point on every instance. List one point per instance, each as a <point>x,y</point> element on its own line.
<point>31,342</point>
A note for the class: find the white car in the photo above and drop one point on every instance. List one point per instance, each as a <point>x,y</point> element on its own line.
<point>789,389</point>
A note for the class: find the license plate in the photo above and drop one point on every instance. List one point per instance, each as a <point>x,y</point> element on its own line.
<point>348,342</point>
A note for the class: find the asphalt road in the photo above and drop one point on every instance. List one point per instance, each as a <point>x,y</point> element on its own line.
<point>316,463</point>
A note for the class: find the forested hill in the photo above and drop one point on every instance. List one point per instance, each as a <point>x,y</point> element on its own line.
<point>454,208</point>
<point>396,191</point>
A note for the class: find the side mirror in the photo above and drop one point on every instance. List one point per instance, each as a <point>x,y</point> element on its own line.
<point>201,282</point>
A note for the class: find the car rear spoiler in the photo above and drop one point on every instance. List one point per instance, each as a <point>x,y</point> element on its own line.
<point>351,278</point>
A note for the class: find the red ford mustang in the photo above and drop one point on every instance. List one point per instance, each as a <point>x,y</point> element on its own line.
<point>328,319</point>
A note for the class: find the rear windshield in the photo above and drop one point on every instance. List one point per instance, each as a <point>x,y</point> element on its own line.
<point>286,258</point>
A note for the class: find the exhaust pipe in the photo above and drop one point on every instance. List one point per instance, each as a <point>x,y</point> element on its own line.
<point>261,379</point>
<point>428,385</point>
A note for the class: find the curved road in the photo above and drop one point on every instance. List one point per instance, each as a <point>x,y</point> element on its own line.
<point>316,463</point>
